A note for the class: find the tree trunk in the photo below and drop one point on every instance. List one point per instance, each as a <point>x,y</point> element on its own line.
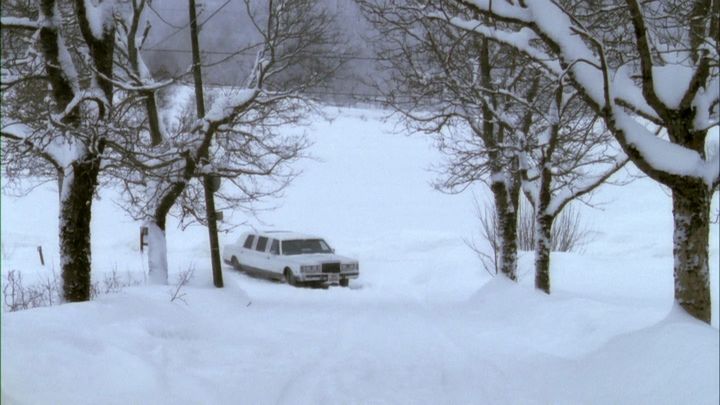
<point>76,198</point>
<point>691,212</point>
<point>156,134</point>
<point>543,237</point>
<point>157,253</point>
<point>507,228</point>
<point>209,196</point>
<point>544,221</point>
<point>213,233</point>
<point>157,241</point>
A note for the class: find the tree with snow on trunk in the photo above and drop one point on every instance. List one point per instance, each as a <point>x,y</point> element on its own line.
<point>641,67</point>
<point>237,139</point>
<point>61,103</point>
<point>570,158</point>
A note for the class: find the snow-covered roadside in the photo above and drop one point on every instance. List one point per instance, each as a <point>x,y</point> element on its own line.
<point>507,344</point>
<point>422,324</point>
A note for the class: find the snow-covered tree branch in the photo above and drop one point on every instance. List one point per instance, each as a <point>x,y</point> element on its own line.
<point>492,109</point>
<point>237,139</point>
<point>636,64</point>
<point>63,102</point>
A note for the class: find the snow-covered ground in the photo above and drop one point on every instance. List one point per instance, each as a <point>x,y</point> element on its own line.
<point>424,324</point>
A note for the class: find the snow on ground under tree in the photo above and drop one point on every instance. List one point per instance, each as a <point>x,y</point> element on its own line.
<point>424,324</point>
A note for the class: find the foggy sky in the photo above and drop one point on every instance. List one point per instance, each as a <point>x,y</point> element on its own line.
<point>167,49</point>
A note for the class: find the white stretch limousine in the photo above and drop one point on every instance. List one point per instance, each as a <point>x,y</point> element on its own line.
<point>295,258</point>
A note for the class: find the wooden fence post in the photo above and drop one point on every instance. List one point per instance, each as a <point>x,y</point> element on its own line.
<point>42,259</point>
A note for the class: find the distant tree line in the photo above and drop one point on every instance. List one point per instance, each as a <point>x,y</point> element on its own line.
<point>167,52</point>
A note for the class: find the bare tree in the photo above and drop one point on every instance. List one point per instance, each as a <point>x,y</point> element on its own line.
<point>60,103</point>
<point>436,91</point>
<point>499,117</point>
<point>570,158</point>
<point>239,139</point>
<point>641,67</point>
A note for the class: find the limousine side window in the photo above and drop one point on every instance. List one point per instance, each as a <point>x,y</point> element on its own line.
<point>275,247</point>
<point>261,244</point>
<point>249,241</point>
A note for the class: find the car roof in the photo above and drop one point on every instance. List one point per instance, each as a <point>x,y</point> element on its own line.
<point>284,235</point>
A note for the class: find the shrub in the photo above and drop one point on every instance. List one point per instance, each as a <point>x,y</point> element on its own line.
<point>183,278</point>
<point>17,295</point>
<point>569,234</point>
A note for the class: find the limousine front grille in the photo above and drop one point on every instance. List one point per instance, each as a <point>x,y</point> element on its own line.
<point>331,267</point>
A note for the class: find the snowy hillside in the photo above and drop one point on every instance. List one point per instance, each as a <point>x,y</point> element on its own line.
<point>424,323</point>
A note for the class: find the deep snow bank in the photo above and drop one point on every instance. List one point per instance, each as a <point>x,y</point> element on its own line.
<point>506,344</point>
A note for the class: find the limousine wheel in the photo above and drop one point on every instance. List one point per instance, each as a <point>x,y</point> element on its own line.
<point>235,263</point>
<point>290,277</point>
<point>344,282</point>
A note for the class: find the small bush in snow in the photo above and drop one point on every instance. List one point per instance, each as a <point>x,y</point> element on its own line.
<point>569,234</point>
<point>183,279</point>
<point>113,283</point>
<point>48,291</point>
<point>18,296</point>
<point>488,233</point>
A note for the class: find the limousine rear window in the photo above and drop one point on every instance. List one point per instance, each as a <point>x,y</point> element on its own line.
<point>249,241</point>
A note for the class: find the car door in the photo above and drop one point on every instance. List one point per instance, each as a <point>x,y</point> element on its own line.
<point>247,257</point>
<point>235,249</point>
<point>274,259</point>
<point>263,256</point>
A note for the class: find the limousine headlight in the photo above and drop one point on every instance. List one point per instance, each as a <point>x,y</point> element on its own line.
<point>349,266</point>
<point>310,268</point>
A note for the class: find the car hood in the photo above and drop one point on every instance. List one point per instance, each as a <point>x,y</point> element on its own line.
<point>317,258</point>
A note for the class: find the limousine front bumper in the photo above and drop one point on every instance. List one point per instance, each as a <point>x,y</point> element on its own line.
<point>330,272</point>
<point>329,278</point>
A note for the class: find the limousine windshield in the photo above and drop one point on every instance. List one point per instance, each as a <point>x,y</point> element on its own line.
<point>305,246</point>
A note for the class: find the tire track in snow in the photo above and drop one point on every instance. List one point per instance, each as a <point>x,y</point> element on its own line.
<point>396,354</point>
<point>295,390</point>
